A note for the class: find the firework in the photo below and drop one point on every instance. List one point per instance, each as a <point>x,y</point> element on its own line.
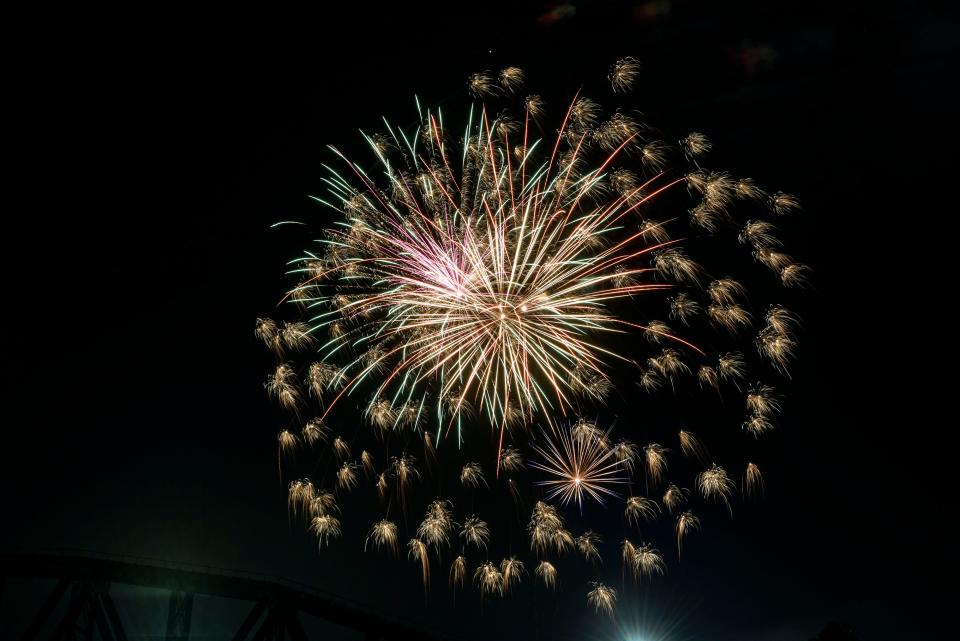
<point>761,401</point>
<point>341,448</point>
<point>674,497</point>
<point>300,494</point>
<point>695,145</point>
<point>511,79</point>
<point>757,424</point>
<point>325,527</point>
<point>437,524</point>
<point>511,459</point>
<point>781,203</point>
<point>315,432</point>
<point>323,503</point>
<point>714,483</point>
<point>579,466</point>
<point>458,572</point>
<point>626,453</point>
<point>639,507</point>
<point>472,475</point>
<point>753,481</point>
<point>602,598</point>
<point>366,459</point>
<point>511,571</point>
<point>759,234</point>
<point>383,534</point>
<point>687,522</point>
<point>347,477</point>
<point>647,561</point>
<point>417,550</point>
<point>475,532</point>
<point>731,366</point>
<point>282,385</point>
<point>586,544</point>
<point>708,377</point>
<point>691,446</point>
<point>683,308</point>
<point>486,281</point>
<point>656,462</point>
<point>624,73</point>
<point>489,579</point>
<point>546,530</point>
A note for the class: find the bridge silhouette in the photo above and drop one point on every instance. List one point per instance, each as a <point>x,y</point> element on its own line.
<point>83,583</point>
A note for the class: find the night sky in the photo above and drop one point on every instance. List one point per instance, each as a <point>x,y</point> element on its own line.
<point>148,161</point>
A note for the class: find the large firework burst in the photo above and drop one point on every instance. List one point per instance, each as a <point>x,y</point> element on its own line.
<point>489,280</point>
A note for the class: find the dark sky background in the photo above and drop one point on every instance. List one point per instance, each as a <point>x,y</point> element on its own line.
<point>148,160</point>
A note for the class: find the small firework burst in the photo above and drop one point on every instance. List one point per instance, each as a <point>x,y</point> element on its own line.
<point>639,507</point>
<point>512,571</point>
<point>781,203</point>
<point>626,453</point>
<point>535,106</point>
<point>546,530</point>
<point>511,459</point>
<point>623,74</point>
<point>761,401</point>
<point>325,527</point>
<point>341,448</point>
<point>726,291</point>
<point>757,424</point>
<point>656,462</point>
<point>731,366</point>
<point>481,85</point>
<point>266,330</point>
<point>547,573</point>
<point>315,432</point>
<point>695,145</point>
<point>674,264</point>
<point>323,503</point>
<point>282,385</point>
<point>458,572</point>
<point>475,532</point>
<point>366,459</point>
<point>489,580</point>
<point>511,79</point>
<point>437,524</point>
<point>472,476</point>
<point>752,481</point>
<point>708,377</point>
<point>381,414</point>
<point>602,598</point>
<point>683,308</point>
<point>674,497</point>
<point>691,446</point>
<point>586,544</point>
<point>714,483</point>
<point>347,476</point>
<point>417,550</point>
<point>656,331</point>
<point>300,494</point>
<point>383,535</point>
<point>580,466</point>
<point>759,234</point>
<point>687,522</point>
<point>647,561</point>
